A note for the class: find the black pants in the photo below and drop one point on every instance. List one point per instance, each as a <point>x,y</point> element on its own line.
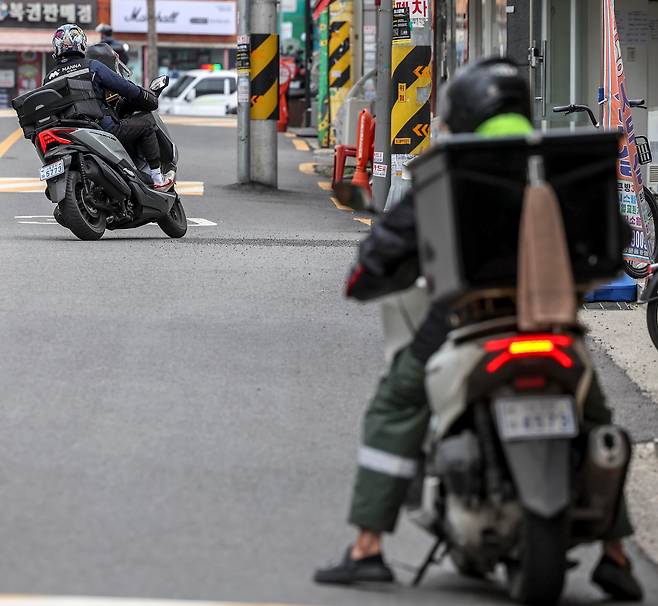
<point>137,135</point>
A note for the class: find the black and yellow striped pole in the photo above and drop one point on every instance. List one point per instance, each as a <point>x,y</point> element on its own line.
<point>264,89</point>
<point>411,86</point>
<point>340,56</point>
<point>264,92</point>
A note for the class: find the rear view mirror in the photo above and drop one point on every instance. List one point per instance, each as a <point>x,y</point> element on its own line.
<point>160,83</point>
<point>354,197</point>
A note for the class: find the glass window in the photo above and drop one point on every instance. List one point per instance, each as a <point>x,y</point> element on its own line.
<point>233,85</point>
<point>178,87</point>
<point>210,86</point>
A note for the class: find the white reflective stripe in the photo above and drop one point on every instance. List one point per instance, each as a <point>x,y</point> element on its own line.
<point>78,72</point>
<point>385,462</point>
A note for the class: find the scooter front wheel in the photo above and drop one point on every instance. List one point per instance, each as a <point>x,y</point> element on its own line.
<point>174,223</point>
<point>537,575</point>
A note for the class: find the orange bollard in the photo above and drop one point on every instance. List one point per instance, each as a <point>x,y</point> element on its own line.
<point>282,122</point>
<point>364,132</point>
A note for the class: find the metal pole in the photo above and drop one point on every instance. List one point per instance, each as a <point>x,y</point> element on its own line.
<point>308,51</point>
<point>382,162</point>
<point>243,61</point>
<point>264,92</point>
<point>152,41</point>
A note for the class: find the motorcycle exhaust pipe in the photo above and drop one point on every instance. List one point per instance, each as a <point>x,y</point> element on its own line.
<point>608,456</point>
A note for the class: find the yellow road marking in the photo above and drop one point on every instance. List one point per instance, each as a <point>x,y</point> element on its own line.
<point>300,145</point>
<point>289,135</point>
<point>363,220</point>
<point>338,205</point>
<point>9,141</point>
<point>34,185</point>
<point>326,185</point>
<point>308,168</point>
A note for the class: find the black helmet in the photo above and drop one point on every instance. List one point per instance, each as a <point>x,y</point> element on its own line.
<point>104,29</point>
<point>482,90</point>
<point>104,53</point>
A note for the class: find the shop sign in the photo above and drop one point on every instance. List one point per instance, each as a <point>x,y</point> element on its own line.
<point>47,14</point>
<point>401,23</point>
<point>174,17</point>
<point>7,78</point>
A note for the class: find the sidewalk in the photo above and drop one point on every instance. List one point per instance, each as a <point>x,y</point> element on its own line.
<point>623,336</point>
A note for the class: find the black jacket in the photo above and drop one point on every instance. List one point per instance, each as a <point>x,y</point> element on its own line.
<point>388,262</point>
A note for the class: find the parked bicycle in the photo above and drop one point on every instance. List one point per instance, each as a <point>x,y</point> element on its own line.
<point>635,269</point>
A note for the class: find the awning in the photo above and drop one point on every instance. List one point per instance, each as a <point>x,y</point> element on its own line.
<point>37,40</point>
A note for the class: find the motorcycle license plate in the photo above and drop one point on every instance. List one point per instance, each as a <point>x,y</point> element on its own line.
<point>536,417</point>
<point>51,170</point>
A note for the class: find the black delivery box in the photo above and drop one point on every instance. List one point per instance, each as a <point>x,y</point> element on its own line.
<point>469,194</point>
<point>64,99</point>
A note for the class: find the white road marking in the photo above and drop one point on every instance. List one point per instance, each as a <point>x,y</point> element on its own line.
<point>38,600</point>
<point>199,222</point>
<point>7,113</point>
<point>26,185</point>
<point>50,220</point>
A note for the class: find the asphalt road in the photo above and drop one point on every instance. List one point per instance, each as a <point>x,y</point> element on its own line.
<point>181,418</point>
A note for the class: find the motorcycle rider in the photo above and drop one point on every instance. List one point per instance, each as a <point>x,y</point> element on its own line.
<point>489,97</point>
<point>120,48</point>
<point>69,49</point>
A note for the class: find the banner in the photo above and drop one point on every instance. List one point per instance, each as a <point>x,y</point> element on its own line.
<point>617,115</point>
<point>192,17</point>
<point>324,119</point>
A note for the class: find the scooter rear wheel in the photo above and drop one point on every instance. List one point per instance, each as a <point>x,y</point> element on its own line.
<point>537,576</point>
<point>78,212</point>
<point>174,223</point>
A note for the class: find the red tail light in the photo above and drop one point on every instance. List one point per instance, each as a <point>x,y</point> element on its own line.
<point>528,346</point>
<point>48,137</point>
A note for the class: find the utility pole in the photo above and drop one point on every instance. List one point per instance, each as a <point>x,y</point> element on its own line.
<point>381,173</point>
<point>264,92</point>
<point>151,42</point>
<point>411,84</point>
<point>243,61</point>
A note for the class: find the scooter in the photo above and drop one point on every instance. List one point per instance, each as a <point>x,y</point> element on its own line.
<point>89,175</point>
<point>514,474</point>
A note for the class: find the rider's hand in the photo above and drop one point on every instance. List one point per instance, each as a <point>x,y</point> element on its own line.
<point>147,100</point>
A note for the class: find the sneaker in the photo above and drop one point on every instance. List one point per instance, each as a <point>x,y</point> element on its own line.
<point>167,182</point>
<point>372,569</point>
<point>617,581</point>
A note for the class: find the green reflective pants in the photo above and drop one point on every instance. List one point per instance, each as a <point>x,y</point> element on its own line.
<point>394,428</point>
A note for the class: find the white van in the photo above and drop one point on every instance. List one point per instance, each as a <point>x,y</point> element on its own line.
<point>201,93</point>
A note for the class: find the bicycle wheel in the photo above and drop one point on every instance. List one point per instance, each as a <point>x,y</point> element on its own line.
<point>640,269</point>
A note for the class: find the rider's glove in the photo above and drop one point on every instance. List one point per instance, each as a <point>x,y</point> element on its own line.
<point>146,101</point>
<point>364,284</point>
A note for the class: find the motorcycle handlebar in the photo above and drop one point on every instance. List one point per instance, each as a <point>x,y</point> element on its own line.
<point>570,109</point>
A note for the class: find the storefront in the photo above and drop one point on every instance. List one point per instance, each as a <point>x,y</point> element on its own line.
<point>26,31</point>
<point>191,33</point>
